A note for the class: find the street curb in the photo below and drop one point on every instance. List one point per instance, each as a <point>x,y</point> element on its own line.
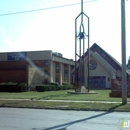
<point>66,109</point>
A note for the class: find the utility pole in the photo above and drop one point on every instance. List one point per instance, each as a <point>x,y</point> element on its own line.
<point>123,43</point>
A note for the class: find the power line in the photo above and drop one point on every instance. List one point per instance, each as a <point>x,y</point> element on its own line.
<point>29,11</point>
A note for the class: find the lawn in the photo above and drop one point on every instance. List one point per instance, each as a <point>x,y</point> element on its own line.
<point>102,95</point>
<point>66,105</point>
<point>35,100</point>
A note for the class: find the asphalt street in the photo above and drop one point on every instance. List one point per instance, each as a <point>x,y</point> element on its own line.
<point>41,119</point>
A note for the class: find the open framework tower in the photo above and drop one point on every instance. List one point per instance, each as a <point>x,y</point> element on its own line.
<point>80,50</point>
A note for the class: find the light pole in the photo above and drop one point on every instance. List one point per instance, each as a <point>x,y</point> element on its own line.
<point>123,43</point>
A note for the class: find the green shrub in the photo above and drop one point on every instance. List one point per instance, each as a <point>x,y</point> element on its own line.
<point>65,83</point>
<point>23,87</point>
<point>71,86</point>
<point>48,87</point>
<point>44,87</point>
<point>56,84</point>
<point>54,88</point>
<point>40,88</point>
<point>63,87</point>
<point>13,87</point>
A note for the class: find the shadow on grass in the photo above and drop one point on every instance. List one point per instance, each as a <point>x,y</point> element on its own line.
<point>65,125</point>
<point>49,97</point>
<point>112,109</point>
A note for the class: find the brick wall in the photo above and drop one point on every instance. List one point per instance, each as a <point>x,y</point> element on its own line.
<point>36,76</point>
<point>16,71</point>
<point>13,76</point>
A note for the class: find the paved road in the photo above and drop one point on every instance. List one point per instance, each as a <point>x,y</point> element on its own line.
<point>40,119</point>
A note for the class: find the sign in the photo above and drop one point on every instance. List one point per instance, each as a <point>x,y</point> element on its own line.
<point>16,56</point>
<point>117,85</point>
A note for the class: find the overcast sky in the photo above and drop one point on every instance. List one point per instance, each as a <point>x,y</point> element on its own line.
<point>54,29</point>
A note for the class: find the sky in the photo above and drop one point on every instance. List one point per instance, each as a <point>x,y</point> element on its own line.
<point>54,28</point>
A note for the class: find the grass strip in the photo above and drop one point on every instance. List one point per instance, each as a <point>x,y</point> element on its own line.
<point>102,95</point>
<point>65,105</point>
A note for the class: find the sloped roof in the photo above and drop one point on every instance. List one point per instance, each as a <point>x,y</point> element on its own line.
<point>106,56</point>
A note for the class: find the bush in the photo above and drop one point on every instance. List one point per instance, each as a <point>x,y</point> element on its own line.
<point>44,87</point>
<point>65,83</point>
<point>71,86</point>
<point>48,87</point>
<point>23,87</point>
<point>40,88</point>
<point>52,87</point>
<point>64,87</point>
<point>13,87</point>
<point>56,84</point>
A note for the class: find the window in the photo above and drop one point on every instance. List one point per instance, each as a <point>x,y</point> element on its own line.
<point>65,78</point>
<point>65,73</point>
<point>57,68</point>
<point>65,70</point>
<point>46,63</point>
<point>57,78</point>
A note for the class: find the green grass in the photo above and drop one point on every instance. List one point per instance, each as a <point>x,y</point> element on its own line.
<point>36,97</point>
<point>102,95</point>
<point>65,105</point>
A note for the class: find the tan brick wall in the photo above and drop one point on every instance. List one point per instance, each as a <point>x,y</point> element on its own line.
<point>36,76</point>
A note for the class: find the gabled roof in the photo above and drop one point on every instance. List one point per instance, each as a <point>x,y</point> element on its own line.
<point>111,61</point>
<point>107,57</point>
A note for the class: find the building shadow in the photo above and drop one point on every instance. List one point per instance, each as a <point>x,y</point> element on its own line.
<point>65,125</point>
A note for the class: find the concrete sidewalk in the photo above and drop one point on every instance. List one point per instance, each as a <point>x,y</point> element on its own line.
<point>63,101</point>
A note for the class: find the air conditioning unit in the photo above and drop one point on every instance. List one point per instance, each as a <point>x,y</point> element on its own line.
<point>57,54</point>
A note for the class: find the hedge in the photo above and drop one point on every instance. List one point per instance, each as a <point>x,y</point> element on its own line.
<point>53,87</point>
<point>64,87</point>
<point>56,84</point>
<point>23,87</point>
<point>42,88</point>
<point>13,87</point>
<point>71,87</point>
<point>65,83</point>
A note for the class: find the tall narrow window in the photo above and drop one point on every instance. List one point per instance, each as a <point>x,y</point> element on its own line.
<point>65,70</point>
<point>65,73</point>
<point>57,68</point>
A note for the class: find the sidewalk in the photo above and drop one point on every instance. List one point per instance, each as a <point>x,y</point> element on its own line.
<point>109,102</point>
